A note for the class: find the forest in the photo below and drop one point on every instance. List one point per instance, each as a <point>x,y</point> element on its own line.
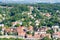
<point>23,13</point>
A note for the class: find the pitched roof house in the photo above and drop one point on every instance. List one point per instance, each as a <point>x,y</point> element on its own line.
<point>29,36</point>
<point>36,36</point>
<point>43,29</point>
<point>56,35</point>
<point>21,31</point>
<point>47,14</point>
<point>30,28</point>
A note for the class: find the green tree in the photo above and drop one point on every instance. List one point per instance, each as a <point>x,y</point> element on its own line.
<point>50,31</point>
<point>17,25</point>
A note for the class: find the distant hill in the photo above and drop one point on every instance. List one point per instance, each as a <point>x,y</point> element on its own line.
<point>26,1</point>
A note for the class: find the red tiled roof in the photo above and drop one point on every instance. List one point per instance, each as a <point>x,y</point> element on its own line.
<point>48,15</point>
<point>19,29</point>
<point>36,36</point>
<point>7,29</point>
<point>57,33</point>
<point>21,33</point>
<point>29,35</point>
<point>30,28</point>
<point>43,29</point>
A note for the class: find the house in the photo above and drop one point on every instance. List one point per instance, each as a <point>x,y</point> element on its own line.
<point>34,15</point>
<point>7,30</point>
<point>30,28</point>
<point>22,19</point>
<point>47,14</point>
<point>37,22</point>
<point>4,14</point>
<point>43,29</point>
<point>21,31</point>
<point>55,28</point>
<point>29,13</point>
<point>36,35</point>
<point>29,35</point>
<point>30,22</point>
<point>31,16</point>
<point>1,25</point>
<point>31,8</point>
<point>48,35</point>
<point>21,34</point>
<point>0,15</point>
<point>56,35</point>
<point>45,35</point>
<point>3,18</point>
<point>20,23</point>
<point>3,28</point>
<point>2,31</point>
<point>41,35</point>
<point>57,11</point>
<point>14,23</point>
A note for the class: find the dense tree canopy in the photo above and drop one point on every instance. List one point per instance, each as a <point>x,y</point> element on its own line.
<point>11,13</point>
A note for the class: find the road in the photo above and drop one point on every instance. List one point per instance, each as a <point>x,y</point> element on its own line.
<point>11,36</point>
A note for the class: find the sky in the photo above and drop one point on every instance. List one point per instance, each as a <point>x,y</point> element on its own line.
<point>51,1</point>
